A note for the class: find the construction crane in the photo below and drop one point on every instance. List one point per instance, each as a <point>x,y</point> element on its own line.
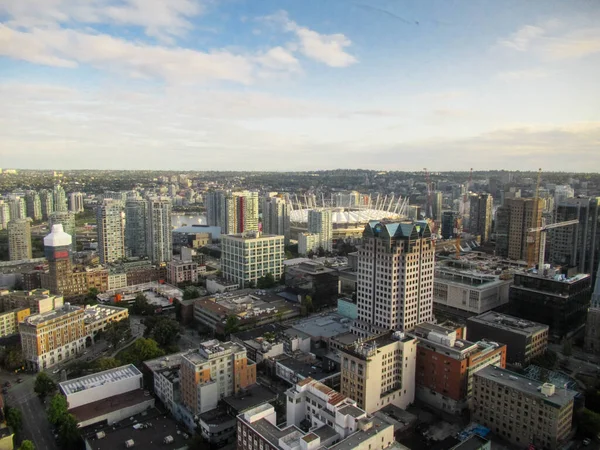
<point>532,237</point>
<point>543,231</point>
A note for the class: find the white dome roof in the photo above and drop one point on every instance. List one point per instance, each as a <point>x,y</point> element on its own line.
<point>346,215</point>
<point>58,237</point>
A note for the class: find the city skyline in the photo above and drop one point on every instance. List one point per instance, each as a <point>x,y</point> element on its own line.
<point>242,85</point>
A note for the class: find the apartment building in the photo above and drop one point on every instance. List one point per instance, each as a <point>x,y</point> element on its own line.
<point>97,317</point>
<point>320,222</point>
<point>165,371</point>
<point>276,216</point>
<point>524,339</point>
<point>52,337</point>
<point>110,220</point>
<point>380,371</point>
<point>234,212</point>
<point>446,365</point>
<point>37,300</point>
<point>9,321</point>
<point>213,371</point>
<point>247,257</point>
<point>480,216</point>
<point>19,239</point>
<point>158,229</point>
<point>182,272</point>
<point>308,242</point>
<point>395,277</point>
<point>522,410</point>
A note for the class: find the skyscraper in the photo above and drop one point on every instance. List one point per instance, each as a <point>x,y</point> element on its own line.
<point>136,221</point>
<point>436,199</point>
<point>276,217</point>
<point>76,202</point>
<point>60,198</point>
<point>481,215</point>
<point>234,212</point>
<point>158,230</point>
<point>320,222</point>
<point>395,277</point>
<point>592,326</point>
<point>513,219</point>
<point>110,226</point>
<point>67,220</point>
<point>47,201</point>
<point>4,214</point>
<point>33,205</point>
<point>19,239</point>
<point>18,208</point>
<point>57,250</point>
<point>448,224</point>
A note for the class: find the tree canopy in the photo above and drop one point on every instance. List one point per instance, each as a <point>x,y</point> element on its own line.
<point>266,282</point>
<point>190,293</point>
<point>44,385</point>
<point>163,330</point>
<point>141,350</point>
<point>141,306</point>
<point>588,422</point>
<point>14,419</point>
<point>69,436</point>
<point>106,364</point>
<point>27,445</point>
<point>57,409</point>
<point>115,331</point>
<point>232,325</point>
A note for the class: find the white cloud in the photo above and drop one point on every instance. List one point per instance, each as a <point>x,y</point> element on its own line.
<point>328,49</point>
<point>159,18</point>
<point>522,39</point>
<point>519,75</point>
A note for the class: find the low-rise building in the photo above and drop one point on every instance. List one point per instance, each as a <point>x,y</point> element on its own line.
<point>9,321</point>
<point>522,410</point>
<point>182,272</point>
<point>316,280</point>
<point>271,340</point>
<point>165,375</point>
<point>97,317</point>
<point>217,285</point>
<point>380,371</point>
<point>446,365</point>
<point>524,339</point>
<point>37,300</point>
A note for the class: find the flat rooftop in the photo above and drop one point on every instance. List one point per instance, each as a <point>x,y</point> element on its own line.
<point>250,398</point>
<point>110,404</point>
<point>99,379</point>
<point>510,323</point>
<point>273,433</point>
<point>356,439</point>
<point>312,369</point>
<point>165,362</point>
<point>38,319</point>
<point>100,312</point>
<point>323,326</point>
<point>526,385</point>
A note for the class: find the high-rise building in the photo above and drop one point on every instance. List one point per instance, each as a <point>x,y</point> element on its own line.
<point>19,239</point>
<point>247,257</point>
<point>577,245</point>
<point>18,208</point>
<point>276,217</point>
<point>436,205</point>
<point>76,202</point>
<point>513,219</point>
<point>234,212</point>
<point>308,242</point>
<point>158,230</point>
<point>246,211</point>
<point>110,226</point>
<point>520,410</point>
<point>562,193</point>
<point>214,202</point>
<point>446,365</point>
<point>47,201</point>
<point>213,371</point>
<point>449,224</point>
<point>136,222</point>
<point>395,277</point>
<point>67,220</point>
<point>380,371</point>
<point>320,222</point>
<point>57,249</point>
<point>592,326</point>
<point>60,198</point>
<point>4,214</point>
<point>481,215</point>
<point>33,205</point>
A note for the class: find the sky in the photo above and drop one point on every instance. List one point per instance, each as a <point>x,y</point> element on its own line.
<point>300,84</point>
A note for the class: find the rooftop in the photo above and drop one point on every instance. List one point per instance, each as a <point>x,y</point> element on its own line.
<point>100,312</point>
<point>211,349</point>
<point>165,362</point>
<point>365,348</point>
<point>506,322</point>
<point>107,405</point>
<point>57,237</point>
<point>474,442</point>
<point>526,385</point>
<point>323,325</point>
<point>99,379</point>
<point>215,232</point>
<point>250,236</point>
<point>311,368</point>
<point>249,398</point>
<point>40,319</point>
<point>356,439</point>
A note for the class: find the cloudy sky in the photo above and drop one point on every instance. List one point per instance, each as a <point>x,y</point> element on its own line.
<point>300,84</point>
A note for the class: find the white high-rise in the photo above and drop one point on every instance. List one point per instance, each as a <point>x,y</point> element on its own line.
<point>110,226</point>
<point>234,212</point>
<point>395,277</point>
<point>4,214</point>
<point>18,208</point>
<point>276,217</point>
<point>320,223</point>
<point>76,202</point>
<point>67,220</point>
<point>158,230</point>
<point>60,198</point>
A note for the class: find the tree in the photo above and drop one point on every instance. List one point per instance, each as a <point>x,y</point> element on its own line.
<point>141,306</point>
<point>310,254</point>
<point>266,281</point>
<point>69,436</point>
<point>567,348</point>
<point>58,409</point>
<point>190,293</point>
<point>13,358</point>
<point>288,254</point>
<point>115,331</point>
<point>232,325</point>
<point>165,331</point>
<point>306,306</point>
<point>14,419</point>
<point>43,384</point>
<point>320,251</point>
<point>279,316</point>
<point>27,445</point>
<point>588,422</point>
<point>141,350</point>
<point>106,364</point>
<point>92,296</point>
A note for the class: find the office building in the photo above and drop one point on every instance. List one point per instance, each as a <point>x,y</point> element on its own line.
<point>379,371</point>
<point>446,365</point>
<point>215,209</point>
<point>213,371</point>
<point>247,257</point>
<point>52,337</point>
<point>60,198</point>
<point>316,280</point>
<point>521,410</point>
<point>159,241</point>
<point>449,230</point>
<point>33,205</point>
<point>4,214</point>
<point>307,243</point>
<point>47,201</point>
<point>37,301</point>
<point>276,217</point>
<point>67,220</point>
<point>110,226</point>
<point>395,277</point>
<point>136,222</point>
<point>577,245</point>
<point>320,223</point>
<point>525,339</point>
<point>9,321</point>
<point>19,239</point>
<point>436,205</point>
<point>76,202</point>
<point>552,299</point>
<point>18,208</point>
<point>592,326</point>
<point>513,219</point>
<point>480,217</point>
<point>179,271</point>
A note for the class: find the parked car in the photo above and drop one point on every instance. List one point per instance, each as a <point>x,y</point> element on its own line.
<point>19,380</point>
<point>586,441</point>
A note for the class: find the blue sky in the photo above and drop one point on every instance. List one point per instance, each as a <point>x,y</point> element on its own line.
<point>300,85</point>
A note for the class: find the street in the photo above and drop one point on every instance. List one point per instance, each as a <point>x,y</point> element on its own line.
<point>579,361</point>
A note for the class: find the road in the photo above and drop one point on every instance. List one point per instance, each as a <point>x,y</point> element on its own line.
<point>579,361</point>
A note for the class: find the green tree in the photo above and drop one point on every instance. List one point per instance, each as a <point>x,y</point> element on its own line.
<point>57,409</point>
<point>92,296</point>
<point>115,331</point>
<point>14,419</point>
<point>588,422</point>
<point>567,348</point>
<point>266,282</point>
<point>306,307</point>
<point>106,364</point>
<point>141,350</point>
<point>44,385</point>
<point>69,436</point>
<point>232,325</point>
<point>165,331</point>
<point>279,316</point>
<point>288,254</point>
<point>190,293</point>
<point>27,445</point>
<point>13,358</point>
<point>320,252</point>
<point>141,306</point>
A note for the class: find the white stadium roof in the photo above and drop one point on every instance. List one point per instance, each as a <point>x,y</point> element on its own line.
<point>347,216</point>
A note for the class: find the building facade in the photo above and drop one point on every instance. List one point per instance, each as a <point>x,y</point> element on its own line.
<point>276,217</point>
<point>480,216</point>
<point>47,201</point>
<point>513,219</point>
<point>320,222</point>
<point>67,220</point>
<point>76,202</point>
<point>182,272</point>
<point>9,321</point>
<point>60,198</point>
<point>395,277</point>
<point>136,222</point>
<point>19,239</point>
<point>158,229</point>
<point>110,226</point>
<point>33,205</point>
<point>308,242</point>
<point>592,326</point>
